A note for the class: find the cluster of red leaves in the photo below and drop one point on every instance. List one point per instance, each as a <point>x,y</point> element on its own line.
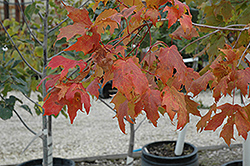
<point>225,77</point>
<point>153,85</point>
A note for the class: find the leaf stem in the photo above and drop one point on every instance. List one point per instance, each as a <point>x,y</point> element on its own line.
<point>140,40</point>
<point>13,43</point>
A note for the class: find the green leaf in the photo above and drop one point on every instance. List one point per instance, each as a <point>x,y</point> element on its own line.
<point>30,10</point>
<point>38,112</point>
<point>70,53</point>
<point>26,107</point>
<point>28,41</point>
<point>39,51</point>
<point>5,112</point>
<point>4,78</point>
<point>191,48</point>
<point>16,62</point>
<point>19,87</point>
<point>7,88</point>
<point>60,42</point>
<point>19,80</point>
<point>244,17</point>
<point>9,62</point>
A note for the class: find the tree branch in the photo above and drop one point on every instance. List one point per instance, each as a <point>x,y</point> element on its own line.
<point>218,29</point>
<point>24,18</point>
<point>112,109</point>
<point>13,43</point>
<point>223,28</point>
<point>243,54</point>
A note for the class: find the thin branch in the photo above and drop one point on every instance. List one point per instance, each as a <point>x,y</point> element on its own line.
<point>243,54</point>
<point>218,29</point>
<point>67,17</point>
<point>24,18</point>
<point>199,39</point>
<point>39,13</point>
<point>32,100</point>
<point>140,124</point>
<point>140,40</point>
<point>25,125</point>
<point>13,43</point>
<point>55,55</point>
<point>36,136</point>
<point>223,28</point>
<point>112,109</point>
<point>237,39</point>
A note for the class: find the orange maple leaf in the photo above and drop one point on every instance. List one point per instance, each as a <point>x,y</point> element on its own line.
<point>179,32</point>
<point>236,116</point>
<point>206,118</point>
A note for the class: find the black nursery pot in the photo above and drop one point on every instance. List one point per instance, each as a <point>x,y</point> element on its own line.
<point>234,163</point>
<point>148,159</point>
<point>56,162</point>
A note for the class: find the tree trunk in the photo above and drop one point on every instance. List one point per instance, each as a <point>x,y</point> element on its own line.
<point>130,158</point>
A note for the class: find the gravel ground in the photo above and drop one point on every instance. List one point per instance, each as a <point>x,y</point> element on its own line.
<point>96,134</point>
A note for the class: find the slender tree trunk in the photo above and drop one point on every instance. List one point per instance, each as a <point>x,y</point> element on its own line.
<point>130,158</point>
<point>47,121</point>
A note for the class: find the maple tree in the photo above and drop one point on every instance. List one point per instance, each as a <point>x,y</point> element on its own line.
<point>153,83</point>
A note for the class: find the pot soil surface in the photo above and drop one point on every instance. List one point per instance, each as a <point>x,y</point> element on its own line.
<point>167,150</point>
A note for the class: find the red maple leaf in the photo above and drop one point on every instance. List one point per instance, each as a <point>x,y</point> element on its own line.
<point>66,64</point>
<point>49,83</point>
<point>81,24</point>
<point>174,102</point>
<point>151,100</point>
<point>129,79</point>
<point>201,83</point>
<point>153,15</point>
<point>72,95</point>
<point>170,58</point>
<point>243,80</point>
<point>93,88</point>
<point>121,106</point>
<point>87,43</point>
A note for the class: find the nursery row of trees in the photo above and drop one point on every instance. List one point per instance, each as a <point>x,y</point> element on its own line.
<point>104,40</point>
